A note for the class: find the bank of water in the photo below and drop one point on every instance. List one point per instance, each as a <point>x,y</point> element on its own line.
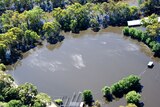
<point>89,60</point>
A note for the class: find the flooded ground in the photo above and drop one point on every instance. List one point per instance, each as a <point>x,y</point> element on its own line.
<point>89,60</point>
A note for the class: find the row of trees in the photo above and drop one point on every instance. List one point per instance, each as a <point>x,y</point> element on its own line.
<point>145,37</point>
<point>21,5</point>
<point>149,7</point>
<point>129,86</point>
<point>78,17</point>
<point>122,87</point>
<point>20,96</point>
<point>119,13</point>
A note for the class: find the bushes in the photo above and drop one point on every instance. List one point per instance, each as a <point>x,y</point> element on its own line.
<point>125,85</point>
<point>87,97</point>
<point>106,91</point>
<point>133,97</point>
<point>142,36</point>
<point>126,31</point>
<point>122,87</point>
<point>2,67</point>
<point>58,101</point>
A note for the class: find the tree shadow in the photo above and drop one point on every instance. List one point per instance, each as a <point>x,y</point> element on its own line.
<point>108,98</point>
<point>140,104</point>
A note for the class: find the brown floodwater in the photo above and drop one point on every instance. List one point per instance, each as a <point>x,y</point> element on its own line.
<point>89,60</point>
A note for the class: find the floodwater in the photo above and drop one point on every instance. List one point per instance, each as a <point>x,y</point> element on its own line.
<point>89,60</point>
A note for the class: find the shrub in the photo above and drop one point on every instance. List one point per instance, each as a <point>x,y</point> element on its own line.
<point>148,40</point>
<point>125,85</point>
<point>106,91</point>
<point>2,67</point>
<point>133,97</point>
<point>126,31</point>
<point>156,47</point>
<point>87,97</point>
<point>132,32</point>
<point>58,101</point>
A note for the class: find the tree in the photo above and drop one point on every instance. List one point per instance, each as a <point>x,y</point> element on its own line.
<point>2,67</point>
<point>126,31</point>
<point>14,103</point>
<point>34,18</point>
<point>94,24</point>
<point>153,30</point>
<point>3,48</point>
<point>52,30</point>
<point>73,26</point>
<point>10,93</point>
<point>133,97</point>
<point>31,36</point>
<point>156,48</point>
<point>125,85</point>
<point>106,91</point>
<point>87,97</point>
<point>41,100</point>
<point>27,93</point>
<point>17,32</point>
<point>150,6</point>
<point>58,101</point>
<point>150,20</point>
<point>6,81</point>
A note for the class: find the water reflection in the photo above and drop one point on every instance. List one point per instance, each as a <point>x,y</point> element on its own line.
<point>55,46</point>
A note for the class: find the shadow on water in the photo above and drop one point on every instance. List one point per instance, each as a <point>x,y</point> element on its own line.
<point>52,47</point>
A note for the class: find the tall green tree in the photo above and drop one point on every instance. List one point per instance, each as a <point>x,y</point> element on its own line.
<point>87,97</point>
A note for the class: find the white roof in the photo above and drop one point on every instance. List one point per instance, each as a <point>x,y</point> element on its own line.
<point>137,22</point>
<point>134,22</point>
<point>150,63</point>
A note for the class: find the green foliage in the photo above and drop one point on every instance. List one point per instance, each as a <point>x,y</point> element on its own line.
<point>94,23</point>
<point>106,91</point>
<point>51,29</point>
<point>10,93</point>
<point>132,32</point>
<point>1,98</point>
<point>121,12</point>
<point>27,93</point>
<point>150,20</point>
<point>131,105</point>
<point>133,97</point>
<point>74,17</point>
<point>14,103</point>
<point>41,100</point>
<point>18,32</point>
<point>87,97</point>
<point>148,37</point>
<point>148,40</point>
<point>126,31</point>
<point>2,67</point>
<point>125,85</point>
<point>31,36</point>
<point>73,26</point>
<point>153,30</point>
<point>58,101</point>
<point>149,7</point>
<point>5,81</point>
<point>156,47</point>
